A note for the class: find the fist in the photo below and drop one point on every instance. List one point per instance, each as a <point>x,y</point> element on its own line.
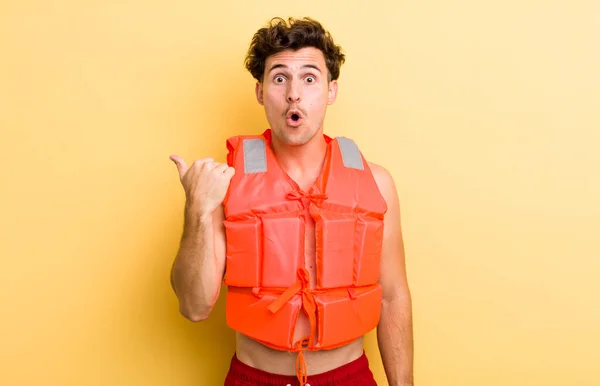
<point>205,183</point>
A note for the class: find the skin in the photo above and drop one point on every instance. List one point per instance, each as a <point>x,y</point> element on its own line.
<point>299,81</point>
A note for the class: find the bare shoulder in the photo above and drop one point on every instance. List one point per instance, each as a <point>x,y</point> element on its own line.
<point>385,183</point>
<point>392,230</point>
<point>393,272</point>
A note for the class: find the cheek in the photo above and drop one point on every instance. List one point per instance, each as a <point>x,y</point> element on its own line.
<point>318,102</point>
<point>272,106</point>
<point>272,98</point>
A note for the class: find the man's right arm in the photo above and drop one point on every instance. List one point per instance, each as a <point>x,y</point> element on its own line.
<point>199,266</point>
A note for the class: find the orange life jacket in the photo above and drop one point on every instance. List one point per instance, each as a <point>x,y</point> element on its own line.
<point>268,284</point>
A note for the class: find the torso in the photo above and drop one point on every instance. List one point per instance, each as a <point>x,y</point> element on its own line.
<point>264,358</point>
<point>273,361</point>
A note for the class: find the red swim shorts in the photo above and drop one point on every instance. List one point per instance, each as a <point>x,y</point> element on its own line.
<point>355,373</point>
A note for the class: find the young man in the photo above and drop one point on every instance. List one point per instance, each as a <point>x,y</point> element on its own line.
<point>305,233</point>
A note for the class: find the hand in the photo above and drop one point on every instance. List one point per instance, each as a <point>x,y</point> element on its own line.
<point>205,183</point>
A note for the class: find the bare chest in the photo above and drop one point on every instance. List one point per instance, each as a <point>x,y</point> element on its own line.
<point>309,231</point>
<point>310,247</point>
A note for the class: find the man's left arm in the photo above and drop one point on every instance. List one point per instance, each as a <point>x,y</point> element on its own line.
<point>394,331</point>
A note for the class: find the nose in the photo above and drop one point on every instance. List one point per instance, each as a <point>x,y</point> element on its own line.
<point>293,93</point>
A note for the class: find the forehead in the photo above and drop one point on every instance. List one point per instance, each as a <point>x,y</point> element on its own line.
<point>296,59</point>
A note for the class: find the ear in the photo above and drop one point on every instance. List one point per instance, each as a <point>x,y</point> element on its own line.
<point>332,93</point>
<point>259,93</point>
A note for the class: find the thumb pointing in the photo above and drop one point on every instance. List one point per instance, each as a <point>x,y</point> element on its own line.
<point>180,163</point>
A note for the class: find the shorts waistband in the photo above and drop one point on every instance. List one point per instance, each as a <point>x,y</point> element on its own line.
<point>341,375</point>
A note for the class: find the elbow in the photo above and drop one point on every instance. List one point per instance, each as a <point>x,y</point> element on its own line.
<point>195,318</point>
<point>195,315</point>
<point>397,297</point>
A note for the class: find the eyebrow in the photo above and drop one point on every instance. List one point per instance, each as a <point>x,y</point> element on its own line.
<point>275,66</point>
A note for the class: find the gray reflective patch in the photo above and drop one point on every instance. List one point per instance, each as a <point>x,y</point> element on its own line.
<point>255,156</point>
<point>350,154</point>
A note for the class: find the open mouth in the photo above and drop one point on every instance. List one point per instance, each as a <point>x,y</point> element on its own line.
<point>294,118</point>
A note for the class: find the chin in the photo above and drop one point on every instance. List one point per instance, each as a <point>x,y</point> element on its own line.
<point>294,136</point>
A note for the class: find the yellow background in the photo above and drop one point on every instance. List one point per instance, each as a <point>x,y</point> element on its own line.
<point>486,113</point>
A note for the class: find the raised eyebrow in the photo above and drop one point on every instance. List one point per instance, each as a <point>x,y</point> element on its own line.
<point>312,66</point>
<point>279,65</point>
<point>276,66</point>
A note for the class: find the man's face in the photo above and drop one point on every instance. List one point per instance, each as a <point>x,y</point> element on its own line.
<point>295,93</point>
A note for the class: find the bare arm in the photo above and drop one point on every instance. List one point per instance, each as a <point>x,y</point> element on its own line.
<point>199,266</point>
<point>394,332</point>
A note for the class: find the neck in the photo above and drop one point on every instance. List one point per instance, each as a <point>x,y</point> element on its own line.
<point>302,163</point>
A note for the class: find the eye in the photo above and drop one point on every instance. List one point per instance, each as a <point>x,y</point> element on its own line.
<point>279,79</point>
<point>310,79</point>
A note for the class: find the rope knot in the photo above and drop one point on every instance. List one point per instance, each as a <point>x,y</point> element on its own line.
<point>298,194</point>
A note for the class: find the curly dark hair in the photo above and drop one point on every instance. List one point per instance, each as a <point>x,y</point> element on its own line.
<point>278,36</point>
